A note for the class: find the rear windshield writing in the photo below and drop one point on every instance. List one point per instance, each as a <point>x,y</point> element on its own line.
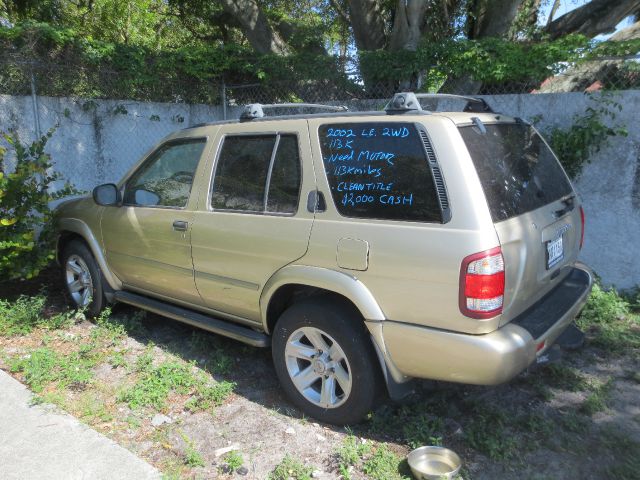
<point>378,170</point>
<point>518,171</point>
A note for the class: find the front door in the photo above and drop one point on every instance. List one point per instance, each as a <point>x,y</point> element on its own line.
<point>147,239</point>
<point>252,221</point>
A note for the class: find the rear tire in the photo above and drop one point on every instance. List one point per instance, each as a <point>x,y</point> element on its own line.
<point>325,360</point>
<point>82,278</point>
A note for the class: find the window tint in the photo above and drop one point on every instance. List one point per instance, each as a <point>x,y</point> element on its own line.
<point>165,179</point>
<point>518,171</point>
<point>284,188</point>
<point>379,170</point>
<point>242,173</point>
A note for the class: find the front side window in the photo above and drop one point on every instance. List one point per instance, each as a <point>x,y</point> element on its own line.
<point>258,174</point>
<point>165,179</point>
<point>379,170</point>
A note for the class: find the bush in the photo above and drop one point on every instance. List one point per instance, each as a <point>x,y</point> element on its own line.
<point>26,240</point>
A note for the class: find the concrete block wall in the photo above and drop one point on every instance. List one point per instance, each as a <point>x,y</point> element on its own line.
<point>97,141</point>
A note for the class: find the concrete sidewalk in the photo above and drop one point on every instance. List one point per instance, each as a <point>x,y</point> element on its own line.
<point>37,443</point>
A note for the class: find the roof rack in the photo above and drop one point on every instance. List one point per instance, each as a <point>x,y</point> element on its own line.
<point>256,110</point>
<point>409,101</point>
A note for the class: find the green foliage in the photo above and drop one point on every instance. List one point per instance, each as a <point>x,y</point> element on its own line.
<point>192,457</point>
<point>290,468</point>
<point>611,324</point>
<point>26,239</point>
<point>156,383</point>
<point>487,432</point>
<point>26,313</point>
<point>384,465</point>
<point>598,398</point>
<point>233,460</point>
<point>43,366</point>
<point>588,133</point>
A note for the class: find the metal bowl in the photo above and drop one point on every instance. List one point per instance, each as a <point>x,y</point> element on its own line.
<point>434,463</point>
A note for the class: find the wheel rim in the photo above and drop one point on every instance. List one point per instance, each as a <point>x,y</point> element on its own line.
<point>79,282</point>
<point>318,367</point>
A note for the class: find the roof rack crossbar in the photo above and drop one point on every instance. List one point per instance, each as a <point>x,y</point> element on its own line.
<point>474,104</point>
<point>409,101</point>
<point>256,110</point>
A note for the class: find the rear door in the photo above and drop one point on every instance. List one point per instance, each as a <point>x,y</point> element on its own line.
<point>253,219</point>
<point>533,205</point>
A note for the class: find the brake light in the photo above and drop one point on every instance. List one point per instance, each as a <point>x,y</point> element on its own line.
<point>482,284</point>
<point>581,227</point>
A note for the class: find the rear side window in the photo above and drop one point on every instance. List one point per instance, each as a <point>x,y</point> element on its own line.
<point>379,170</point>
<point>518,171</point>
<point>258,173</point>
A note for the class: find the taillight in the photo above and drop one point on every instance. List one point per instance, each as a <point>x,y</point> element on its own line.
<point>581,227</point>
<point>482,284</point>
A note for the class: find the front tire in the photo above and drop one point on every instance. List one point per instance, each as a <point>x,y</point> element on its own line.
<point>82,278</point>
<point>325,360</point>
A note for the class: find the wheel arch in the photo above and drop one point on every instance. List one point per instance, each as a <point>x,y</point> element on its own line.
<point>295,281</point>
<point>74,229</point>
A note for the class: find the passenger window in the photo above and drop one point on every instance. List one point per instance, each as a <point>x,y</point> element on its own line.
<point>250,178</point>
<point>380,170</point>
<point>165,179</point>
<point>284,188</point>
<point>241,173</point>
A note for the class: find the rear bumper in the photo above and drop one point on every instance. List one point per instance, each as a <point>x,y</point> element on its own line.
<point>497,356</point>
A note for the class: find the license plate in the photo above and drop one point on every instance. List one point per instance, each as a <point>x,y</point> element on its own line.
<point>555,252</point>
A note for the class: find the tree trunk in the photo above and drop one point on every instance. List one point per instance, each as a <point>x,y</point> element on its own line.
<point>493,18</point>
<point>594,18</point>
<point>255,27</point>
<point>367,22</point>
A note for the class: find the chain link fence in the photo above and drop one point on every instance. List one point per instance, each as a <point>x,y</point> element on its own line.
<point>107,119</point>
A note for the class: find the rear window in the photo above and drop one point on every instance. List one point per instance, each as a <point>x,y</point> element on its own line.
<point>379,170</point>
<point>518,171</point>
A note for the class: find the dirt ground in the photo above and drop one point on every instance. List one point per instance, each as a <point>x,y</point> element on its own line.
<point>576,419</point>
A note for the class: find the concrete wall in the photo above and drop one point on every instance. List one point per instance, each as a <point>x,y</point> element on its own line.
<point>97,141</point>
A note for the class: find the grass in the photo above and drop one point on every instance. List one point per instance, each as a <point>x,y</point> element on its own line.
<point>626,455</point>
<point>612,321</point>
<point>192,457</point>
<point>26,313</point>
<point>385,465</point>
<point>487,432</point>
<point>233,460</point>
<point>597,399</point>
<point>291,468</point>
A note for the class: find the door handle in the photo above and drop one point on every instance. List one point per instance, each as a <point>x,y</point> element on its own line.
<point>180,225</point>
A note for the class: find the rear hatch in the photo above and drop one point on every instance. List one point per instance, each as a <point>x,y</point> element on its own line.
<point>535,210</point>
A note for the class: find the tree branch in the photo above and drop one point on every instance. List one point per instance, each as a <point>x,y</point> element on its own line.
<point>594,18</point>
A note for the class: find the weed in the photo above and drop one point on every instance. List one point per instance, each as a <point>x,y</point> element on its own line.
<point>233,460</point>
<point>411,423</point>
<point>625,452</point>
<point>488,434</point>
<point>155,384</point>
<point>290,468</point>
<point>352,450</point>
<point>117,359</point>
<point>558,375</point>
<point>208,396</point>
<point>53,398</point>
<point>384,465</point>
<point>192,457</point>
<point>608,317</point>
<point>597,400</point>
<point>218,360</point>
<point>93,409</point>
<point>22,316</point>
<point>574,422</point>
<point>38,368</point>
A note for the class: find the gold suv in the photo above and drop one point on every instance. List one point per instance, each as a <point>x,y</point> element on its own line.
<point>365,249</point>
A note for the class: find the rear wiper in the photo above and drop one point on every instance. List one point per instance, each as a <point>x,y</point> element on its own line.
<point>570,204</point>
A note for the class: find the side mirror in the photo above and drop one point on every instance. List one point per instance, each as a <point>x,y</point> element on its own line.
<point>106,195</point>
